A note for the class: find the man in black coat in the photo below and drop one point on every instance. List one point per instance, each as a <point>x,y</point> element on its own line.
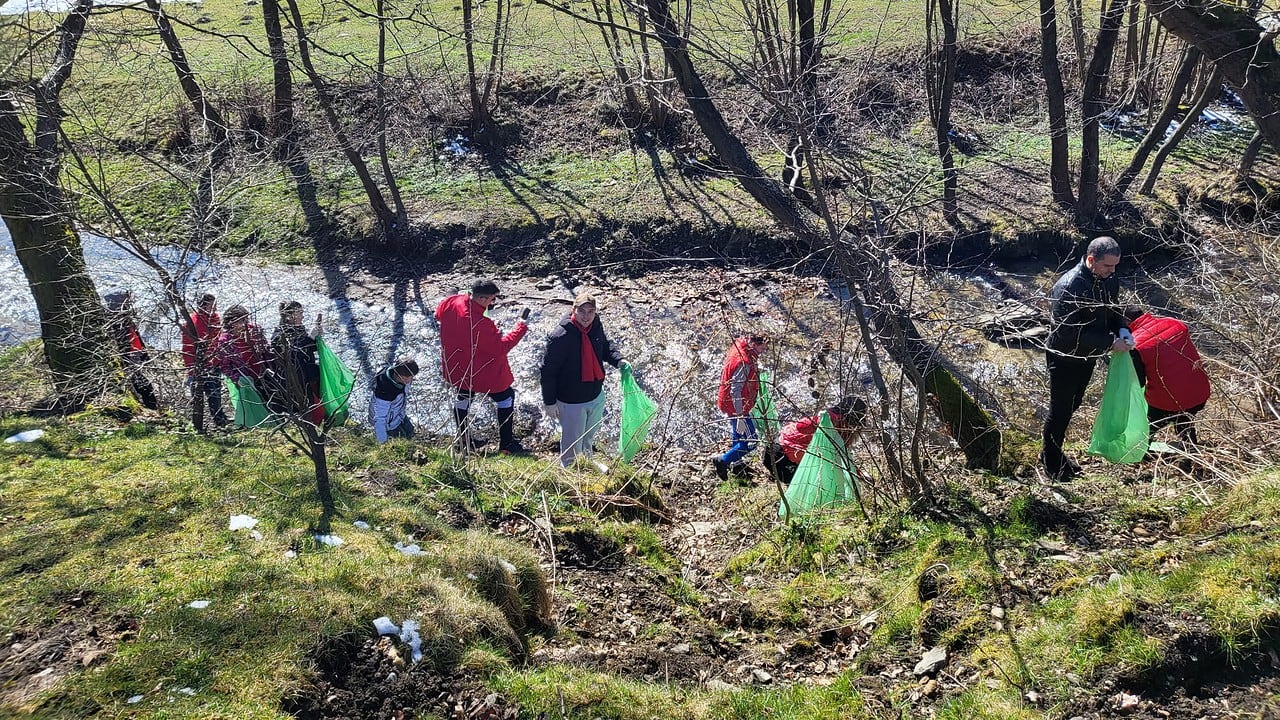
<point>1086,325</point>
<point>573,377</point>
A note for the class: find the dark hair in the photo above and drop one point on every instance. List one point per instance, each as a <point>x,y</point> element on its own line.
<point>407,366</point>
<point>852,409</point>
<point>1133,312</point>
<point>235,314</point>
<point>206,299</point>
<point>758,338</point>
<point>1103,246</point>
<point>484,287</point>
<point>289,306</point>
<point>116,300</point>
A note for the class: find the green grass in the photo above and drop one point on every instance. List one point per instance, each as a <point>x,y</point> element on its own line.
<point>134,525</point>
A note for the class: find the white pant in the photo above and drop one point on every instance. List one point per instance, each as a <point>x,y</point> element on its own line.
<point>579,423</point>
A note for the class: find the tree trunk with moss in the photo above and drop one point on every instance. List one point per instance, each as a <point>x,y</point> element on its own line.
<point>1245,52</point>
<point>864,265</point>
<point>72,320</point>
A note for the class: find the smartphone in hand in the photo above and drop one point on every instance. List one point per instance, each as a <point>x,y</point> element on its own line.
<point>525,315</point>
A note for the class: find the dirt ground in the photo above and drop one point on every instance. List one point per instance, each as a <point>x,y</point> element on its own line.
<point>615,616</point>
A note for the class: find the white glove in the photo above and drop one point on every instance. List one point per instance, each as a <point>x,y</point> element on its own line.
<point>740,426</point>
<point>1127,337</point>
<point>552,411</point>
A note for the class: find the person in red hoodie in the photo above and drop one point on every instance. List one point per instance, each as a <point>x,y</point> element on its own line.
<point>1169,367</point>
<point>783,458</point>
<point>133,354</point>
<point>199,336</point>
<point>474,358</point>
<point>739,388</point>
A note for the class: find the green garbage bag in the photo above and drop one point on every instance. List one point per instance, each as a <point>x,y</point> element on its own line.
<point>335,385</point>
<point>764,413</point>
<point>637,412</point>
<point>825,475</point>
<point>1121,432</point>
<point>250,410</point>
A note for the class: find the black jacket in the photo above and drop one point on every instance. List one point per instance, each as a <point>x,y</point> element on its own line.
<point>294,354</point>
<point>562,363</point>
<point>1084,313</point>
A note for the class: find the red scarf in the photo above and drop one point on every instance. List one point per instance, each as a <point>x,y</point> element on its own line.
<point>591,370</point>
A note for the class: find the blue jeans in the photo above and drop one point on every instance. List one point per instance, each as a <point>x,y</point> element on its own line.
<point>743,443</point>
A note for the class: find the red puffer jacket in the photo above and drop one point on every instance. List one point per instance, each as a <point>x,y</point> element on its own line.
<point>737,357</point>
<point>207,328</point>
<point>796,436</point>
<point>472,351</point>
<point>1176,379</point>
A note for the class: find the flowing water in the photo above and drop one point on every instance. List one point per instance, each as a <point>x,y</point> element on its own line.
<point>672,324</point>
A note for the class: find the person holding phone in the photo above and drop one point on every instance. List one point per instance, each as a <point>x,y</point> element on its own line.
<point>473,356</point>
<point>573,377</point>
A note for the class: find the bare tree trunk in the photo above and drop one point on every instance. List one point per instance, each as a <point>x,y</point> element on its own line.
<point>386,218</point>
<point>1056,98</point>
<point>80,355</point>
<point>479,113</point>
<point>1075,14</point>
<point>867,269</point>
<point>940,81</point>
<point>1234,41</point>
<point>1211,88</point>
<point>1129,80</point>
<point>608,27</point>
<point>1161,124</point>
<point>284,129</point>
<point>214,124</point>
<point>388,177</point>
<point>1095,89</point>
<point>1249,157</point>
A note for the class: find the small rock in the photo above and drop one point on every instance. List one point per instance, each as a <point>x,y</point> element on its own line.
<point>931,661</point>
<point>1124,701</point>
<point>1033,697</point>
<point>761,676</point>
<point>718,684</point>
<point>929,689</point>
<point>681,649</point>
<point>1141,531</point>
<point>997,612</point>
<point>93,656</point>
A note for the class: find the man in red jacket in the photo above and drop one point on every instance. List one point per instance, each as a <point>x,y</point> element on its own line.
<point>739,388</point>
<point>474,358</point>
<point>1170,369</point>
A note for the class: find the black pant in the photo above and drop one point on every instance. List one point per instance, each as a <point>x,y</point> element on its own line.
<point>1183,422</point>
<point>778,464</point>
<point>211,386</point>
<point>1068,379</point>
<point>138,382</point>
<point>506,415</point>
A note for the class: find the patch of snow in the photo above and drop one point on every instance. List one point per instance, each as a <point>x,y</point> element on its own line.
<point>242,522</point>
<point>409,635</point>
<point>361,524</point>
<point>409,549</point>
<point>330,540</point>
<point>384,626</point>
<point>198,604</point>
<point>25,436</point>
